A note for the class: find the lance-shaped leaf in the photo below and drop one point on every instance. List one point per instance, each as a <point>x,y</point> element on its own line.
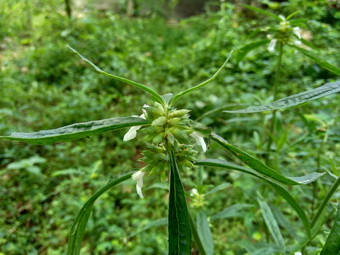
<point>205,233</point>
<point>76,131</point>
<point>267,13</point>
<point>277,187</point>
<point>272,224</point>
<point>243,51</point>
<point>147,89</point>
<point>179,219</point>
<point>174,99</point>
<point>290,101</point>
<point>332,245</point>
<point>78,228</point>
<point>316,59</point>
<point>262,168</point>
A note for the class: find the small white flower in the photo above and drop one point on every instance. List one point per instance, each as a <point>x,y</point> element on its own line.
<point>298,253</point>
<point>272,44</point>
<point>199,140</point>
<point>131,134</point>
<point>138,177</point>
<point>297,32</point>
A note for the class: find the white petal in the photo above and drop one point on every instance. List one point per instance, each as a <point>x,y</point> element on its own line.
<point>298,253</point>
<point>138,177</point>
<point>296,31</point>
<point>200,141</point>
<point>282,17</point>
<point>131,134</point>
<point>297,42</point>
<point>271,46</point>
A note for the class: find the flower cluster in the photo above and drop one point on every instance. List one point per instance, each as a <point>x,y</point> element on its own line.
<point>284,33</point>
<point>169,127</point>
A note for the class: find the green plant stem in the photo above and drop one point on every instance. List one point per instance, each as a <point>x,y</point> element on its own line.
<point>325,201</point>
<point>196,236</point>
<point>276,82</point>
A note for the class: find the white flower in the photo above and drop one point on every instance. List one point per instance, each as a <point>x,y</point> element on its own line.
<point>138,177</point>
<point>297,32</point>
<point>131,134</point>
<point>298,253</point>
<point>272,44</point>
<point>199,140</point>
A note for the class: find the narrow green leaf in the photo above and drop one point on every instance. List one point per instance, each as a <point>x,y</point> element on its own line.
<point>332,245</point>
<point>78,228</point>
<point>292,14</point>
<point>156,96</point>
<point>319,61</point>
<point>242,52</point>
<point>205,233</point>
<point>325,201</point>
<point>151,224</point>
<point>267,13</point>
<point>278,188</point>
<point>262,168</point>
<point>174,99</point>
<point>218,188</point>
<point>196,237</point>
<point>179,222</point>
<point>290,101</point>
<point>272,224</point>
<point>231,211</point>
<point>76,131</point>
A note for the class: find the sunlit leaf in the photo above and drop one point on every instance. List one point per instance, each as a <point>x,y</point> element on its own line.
<point>179,221</point>
<point>78,228</point>
<point>290,101</point>
<point>76,131</point>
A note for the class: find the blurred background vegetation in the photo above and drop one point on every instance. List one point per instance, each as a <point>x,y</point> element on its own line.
<point>169,45</point>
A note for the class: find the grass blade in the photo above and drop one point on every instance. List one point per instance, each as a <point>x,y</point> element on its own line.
<point>205,233</point>
<point>332,245</point>
<point>174,99</point>
<point>262,168</point>
<point>272,224</point>
<point>147,89</point>
<point>151,224</point>
<point>294,100</point>
<point>179,220</point>
<point>277,187</point>
<point>78,228</point>
<point>76,131</point>
<point>319,61</point>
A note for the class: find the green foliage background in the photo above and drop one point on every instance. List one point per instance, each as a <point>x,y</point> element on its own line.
<point>43,85</point>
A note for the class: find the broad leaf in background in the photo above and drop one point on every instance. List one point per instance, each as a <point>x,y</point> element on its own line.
<point>76,131</point>
<point>290,101</point>
<point>243,51</point>
<point>272,224</point>
<point>332,245</point>
<point>78,228</point>
<point>318,60</point>
<point>156,96</point>
<point>178,218</point>
<point>260,167</point>
<point>205,233</point>
<point>278,188</point>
